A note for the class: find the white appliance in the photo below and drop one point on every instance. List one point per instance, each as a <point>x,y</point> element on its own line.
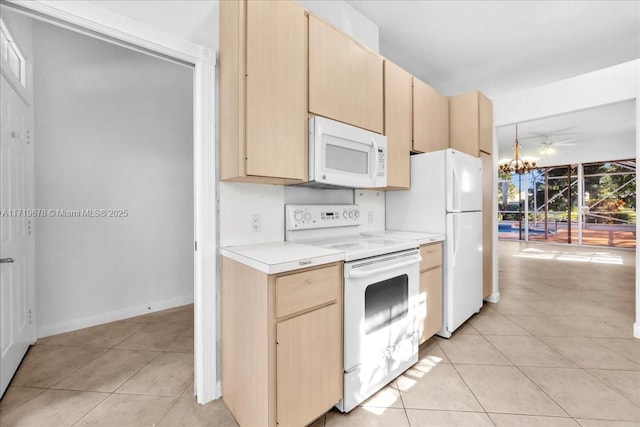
<point>446,197</point>
<point>381,287</point>
<point>346,156</point>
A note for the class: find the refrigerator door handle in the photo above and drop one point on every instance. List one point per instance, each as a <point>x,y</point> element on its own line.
<point>456,239</point>
<point>456,190</point>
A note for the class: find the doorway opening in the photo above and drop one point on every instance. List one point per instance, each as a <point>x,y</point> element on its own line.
<point>113,177</point>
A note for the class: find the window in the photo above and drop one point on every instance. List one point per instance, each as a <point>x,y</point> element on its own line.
<point>11,55</point>
<point>545,204</point>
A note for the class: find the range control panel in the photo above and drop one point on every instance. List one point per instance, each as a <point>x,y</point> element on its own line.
<point>307,217</point>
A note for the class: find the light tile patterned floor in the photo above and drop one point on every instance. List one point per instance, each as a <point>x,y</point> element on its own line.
<point>557,350</point>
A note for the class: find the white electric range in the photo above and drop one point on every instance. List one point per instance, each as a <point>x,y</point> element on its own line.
<point>381,282</point>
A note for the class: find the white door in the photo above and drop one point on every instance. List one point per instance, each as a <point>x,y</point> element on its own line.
<point>463,274</point>
<point>17,330</point>
<point>463,181</point>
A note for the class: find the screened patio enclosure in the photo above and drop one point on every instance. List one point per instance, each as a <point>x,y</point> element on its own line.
<point>583,204</point>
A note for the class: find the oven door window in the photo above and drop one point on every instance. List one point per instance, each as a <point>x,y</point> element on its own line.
<point>385,303</point>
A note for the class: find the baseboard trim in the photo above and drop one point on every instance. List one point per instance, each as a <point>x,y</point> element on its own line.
<point>112,316</point>
<point>494,298</point>
<point>636,330</point>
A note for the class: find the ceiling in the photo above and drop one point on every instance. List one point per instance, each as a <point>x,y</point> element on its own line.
<point>502,46</point>
<point>611,127</point>
<point>499,47</point>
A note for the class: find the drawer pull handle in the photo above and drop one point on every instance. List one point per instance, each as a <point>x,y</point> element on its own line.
<point>308,281</point>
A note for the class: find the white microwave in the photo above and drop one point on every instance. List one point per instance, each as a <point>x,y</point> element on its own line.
<point>346,156</point>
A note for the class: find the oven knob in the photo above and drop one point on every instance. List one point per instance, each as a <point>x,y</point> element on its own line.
<point>357,214</point>
<point>307,216</point>
<point>344,214</point>
<point>351,214</point>
<point>298,216</point>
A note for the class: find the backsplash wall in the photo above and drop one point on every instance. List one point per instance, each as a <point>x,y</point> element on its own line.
<point>240,202</point>
<point>254,213</point>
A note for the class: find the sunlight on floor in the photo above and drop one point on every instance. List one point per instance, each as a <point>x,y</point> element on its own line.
<point>385,398</point>
<point>583,257</point>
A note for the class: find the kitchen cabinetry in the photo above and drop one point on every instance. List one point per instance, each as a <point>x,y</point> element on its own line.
<point>397,124</point>
<point>471,123</point>
<point>263,91</point>
<point>488,188</point>
<point>281,343</point>
<point>345,78</point>
<point>430,298</point>
<point>430,119</point>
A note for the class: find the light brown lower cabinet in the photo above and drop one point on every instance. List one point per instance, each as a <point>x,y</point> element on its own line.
<point>430,303</point>
<point>281,343</point>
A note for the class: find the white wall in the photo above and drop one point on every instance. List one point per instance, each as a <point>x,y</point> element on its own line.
<point>344,17</point>
<point>606,86</point>
<point>194,20</point>
<point>602,87</point>
<point>113,130</point>
<point>239,202</point>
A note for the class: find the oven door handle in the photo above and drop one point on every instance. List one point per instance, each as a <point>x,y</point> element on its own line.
<point>358,274</point>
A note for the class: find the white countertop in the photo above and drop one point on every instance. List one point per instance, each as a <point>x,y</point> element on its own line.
<point>420,237</point>
<point>278,257</point>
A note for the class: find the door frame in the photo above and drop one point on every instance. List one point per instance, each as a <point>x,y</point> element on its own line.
<point>93,20</point>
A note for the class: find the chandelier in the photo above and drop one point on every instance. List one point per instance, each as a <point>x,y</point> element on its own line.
<point>517,164</point>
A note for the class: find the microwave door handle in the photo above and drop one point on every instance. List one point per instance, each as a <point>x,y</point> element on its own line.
<point>377,160</point>
<point>357,274</point>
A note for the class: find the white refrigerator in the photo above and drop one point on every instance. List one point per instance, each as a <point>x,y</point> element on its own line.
<point>446,197</point>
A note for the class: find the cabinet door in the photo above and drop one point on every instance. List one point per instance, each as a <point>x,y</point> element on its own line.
<point>487,224</point>
<point>276,90</point>
<point>486,123</point>
<point>397,124</point>
<point>431,286</point>
<point>430,119</point>
<point>345,79</point>
<point>464,124</point>
<point>309,365</point>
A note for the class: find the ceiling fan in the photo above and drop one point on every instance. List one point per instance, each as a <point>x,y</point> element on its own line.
<point>548,144</point>
<point>550,140</point>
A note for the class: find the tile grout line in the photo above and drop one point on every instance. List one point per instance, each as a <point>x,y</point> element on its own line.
<point>616,352</point>
<point>90,410</point>
<point>587,370</point>
<point>530,379</point>
<point>175,402</point>
<point>404,408</point>
<point>465,383</point>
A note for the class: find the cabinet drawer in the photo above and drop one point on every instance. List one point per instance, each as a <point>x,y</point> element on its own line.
<point>301,291</point>
<point>431,256</point>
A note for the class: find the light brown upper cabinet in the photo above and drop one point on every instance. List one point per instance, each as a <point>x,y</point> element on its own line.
<point>430,119</point>
<point>397,125</point>
<point>471,123</point>
<point>345,78</point>
<point>263,91</point>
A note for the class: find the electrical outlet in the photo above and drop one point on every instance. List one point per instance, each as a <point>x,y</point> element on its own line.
<point>256,223</point>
